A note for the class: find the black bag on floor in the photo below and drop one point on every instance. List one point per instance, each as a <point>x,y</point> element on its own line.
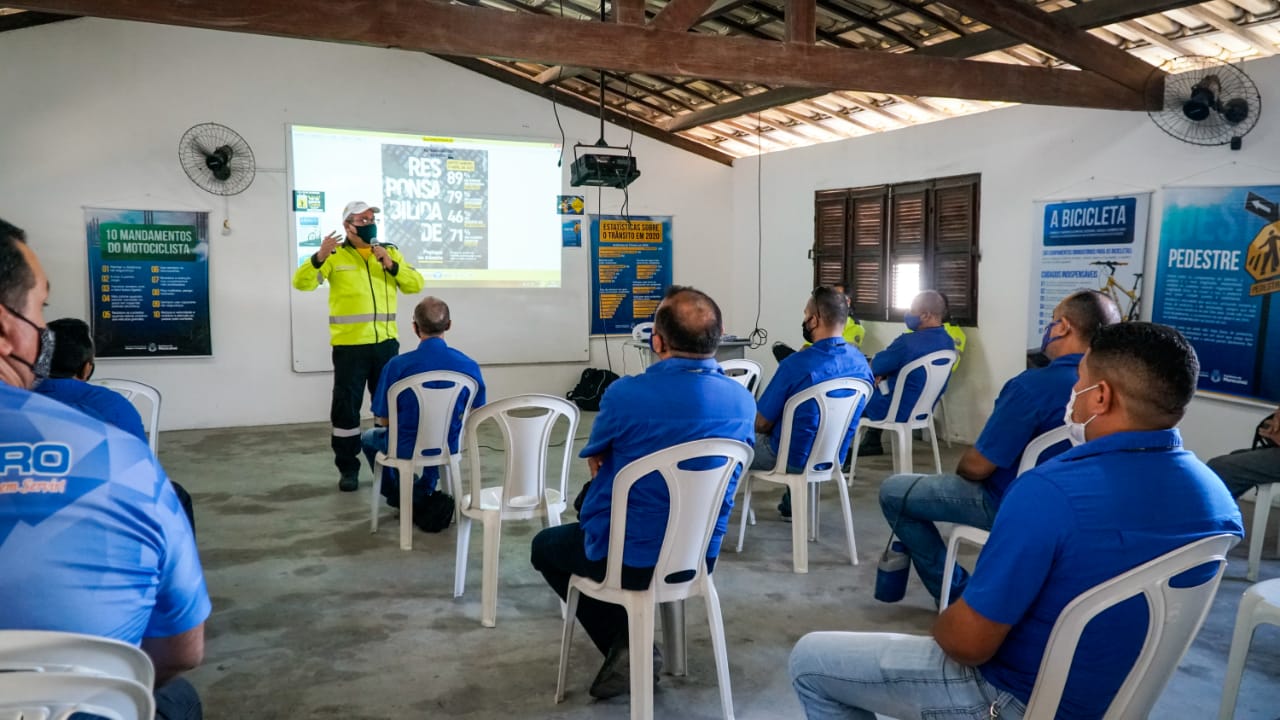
<point>434,513</point>
<point>590,388</point>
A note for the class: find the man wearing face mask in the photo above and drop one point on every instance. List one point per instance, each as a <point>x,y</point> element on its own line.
<point>92,537</point>
<point>926,335</point>
<point>827,357</point>
<point>1029,405</point>
<point>364,278</point>
<point>1128,495</point>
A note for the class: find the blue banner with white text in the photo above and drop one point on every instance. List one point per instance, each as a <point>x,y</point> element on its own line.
<point>630,270</point>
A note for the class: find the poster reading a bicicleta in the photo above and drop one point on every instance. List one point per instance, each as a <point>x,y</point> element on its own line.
<point>1216,274</point>
<point>1091,243</point>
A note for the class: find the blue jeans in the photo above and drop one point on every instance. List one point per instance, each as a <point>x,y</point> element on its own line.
<point>935,498</point>
<point>374,441</point>
<point>853,676</point>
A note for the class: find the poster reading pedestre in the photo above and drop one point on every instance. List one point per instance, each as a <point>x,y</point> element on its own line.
<point>1217,276</point>
<point>436,205</point>
<point>630,270</point>
<point>149,282</point>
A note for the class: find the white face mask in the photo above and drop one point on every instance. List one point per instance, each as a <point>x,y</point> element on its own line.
<point>1074,429</point>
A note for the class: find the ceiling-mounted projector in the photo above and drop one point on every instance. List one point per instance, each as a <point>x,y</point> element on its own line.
<point>596,169</point>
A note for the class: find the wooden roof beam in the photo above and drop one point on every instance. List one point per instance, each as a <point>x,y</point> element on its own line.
<point>802,21</point>
<point>680,15</point>
<point>1154,37</point>
<point>839,114</point>
<point>1244,35</point>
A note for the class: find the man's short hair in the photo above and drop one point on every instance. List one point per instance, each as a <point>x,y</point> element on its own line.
<point>689,321</point>
<point>432,315</point>
<point>73,347</point>
<point>932,302</point>
<point>16,276</point>
<point>831,305</point>
<point>1152,367</point>
<point>1089,311</point>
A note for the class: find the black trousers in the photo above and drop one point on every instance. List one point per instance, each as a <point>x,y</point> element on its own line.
<point>355,369</point>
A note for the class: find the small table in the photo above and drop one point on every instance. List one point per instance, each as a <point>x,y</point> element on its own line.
<point>729,350</point>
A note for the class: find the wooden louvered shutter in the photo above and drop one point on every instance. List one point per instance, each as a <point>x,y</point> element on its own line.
<point>867,253</point>
<point>830,225</point>
<point>908,233</point>
<point>955,246</point>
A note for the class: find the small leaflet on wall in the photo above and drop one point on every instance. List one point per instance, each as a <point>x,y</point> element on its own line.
<point>149,282</point>
<point>630,270</point>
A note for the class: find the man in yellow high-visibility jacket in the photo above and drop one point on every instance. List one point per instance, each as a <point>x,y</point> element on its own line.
<point>364,278</point>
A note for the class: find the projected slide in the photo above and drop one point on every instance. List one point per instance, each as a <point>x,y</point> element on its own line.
<point>466,212</point>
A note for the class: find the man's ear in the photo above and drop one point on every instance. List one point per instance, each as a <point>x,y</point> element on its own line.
<point>86,371</point>
<point>1106,402</point>
<point>449,325</point>
<point>659,345</point>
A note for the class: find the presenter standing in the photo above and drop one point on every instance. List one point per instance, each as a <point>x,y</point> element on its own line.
<point>364,279</point>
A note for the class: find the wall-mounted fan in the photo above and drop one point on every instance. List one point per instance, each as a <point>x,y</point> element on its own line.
<point>217,159</point>
<point>1207,101</point>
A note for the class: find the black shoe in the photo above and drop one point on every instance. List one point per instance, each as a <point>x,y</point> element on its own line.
<point>614,677</point>
<point>784,506</point>
<point>349,483</point>
<point>865,450</point>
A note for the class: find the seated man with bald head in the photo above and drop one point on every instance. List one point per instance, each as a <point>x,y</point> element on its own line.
<point>681,398</point>
<point>430,322</point>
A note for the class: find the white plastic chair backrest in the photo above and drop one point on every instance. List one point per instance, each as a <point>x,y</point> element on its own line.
<point>640,332</point>
<point>48,651</point>
<point>437,393</point>
<point>937,368</point>
<point>526,422</point>
<point>745,372</point>
<point>1037,447</point>
<point>134,392</point>
<point>57,696</point>
<point>696,499</point>
<point>838,400</point>
<point>1174,617</point>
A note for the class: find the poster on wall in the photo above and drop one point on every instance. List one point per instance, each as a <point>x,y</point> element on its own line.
<point>630,269</point>
<point>1217,272</point>
<point>1095,243</point>
<point>148,282</point>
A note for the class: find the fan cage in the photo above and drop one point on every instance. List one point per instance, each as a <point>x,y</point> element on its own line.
<point>199,141</point>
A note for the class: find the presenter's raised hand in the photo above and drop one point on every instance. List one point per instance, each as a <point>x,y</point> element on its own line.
<point>381,253</point>
<point>328,245</point>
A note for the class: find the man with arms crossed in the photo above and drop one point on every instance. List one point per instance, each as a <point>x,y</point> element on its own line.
<point>1028,405</point>
<point>681,398</point>
<point>92,538</point>
<point>1063,528</point>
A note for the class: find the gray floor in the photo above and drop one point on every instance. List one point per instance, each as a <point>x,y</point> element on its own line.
<point>314,617</point>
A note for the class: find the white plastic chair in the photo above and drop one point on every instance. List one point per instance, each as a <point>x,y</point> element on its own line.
<point>57,696</point>
<point>640,334</point>
<point>1174,617</point>
<point>967,533</point>
<point>1259,606</point>
<point>437,393</point>
<point>1265,494</point>
<point>527,423</point>
<point>835,416</point>
<point>746,372</point>
<point>681,570</point>
<point>63,652</point>
<point>937,368</point>
<point>149,410</point>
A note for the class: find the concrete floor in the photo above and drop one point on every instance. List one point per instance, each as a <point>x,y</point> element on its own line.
<point>315,617</point>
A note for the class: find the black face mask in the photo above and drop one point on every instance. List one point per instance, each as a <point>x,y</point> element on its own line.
<point>806,332</point>
<point>367,233</point>
<point>44,350</point>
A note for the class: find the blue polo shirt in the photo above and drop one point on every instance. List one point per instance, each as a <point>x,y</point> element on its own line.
<point>886,363</point>
<point>675,401</point>
<point>1029,405</point>
<point>824,360</point>
<point>1084,517</point>
<point>97,402</point>
<point>92,537</point>
<point>431,354</point>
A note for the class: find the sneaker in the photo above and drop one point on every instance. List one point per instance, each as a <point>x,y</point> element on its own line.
<point>349,482</point>
<point>784,506</point>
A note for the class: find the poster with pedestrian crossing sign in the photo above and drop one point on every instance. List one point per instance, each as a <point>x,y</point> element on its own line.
<point>1217,271</point>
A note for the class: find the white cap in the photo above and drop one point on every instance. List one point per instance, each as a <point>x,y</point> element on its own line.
<point>356,207</point>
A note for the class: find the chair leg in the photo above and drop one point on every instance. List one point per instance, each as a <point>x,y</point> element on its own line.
<point>1258,533</point>
<point>933,437</point>
<point>675,647</point>
<point>746,511</point>
<point>846,509</point>
<point>1241,637</point>
<point>489,583</point>
<point>815,489</point>
<point>566,639</point>
<point>455,484</point>
<point>373,497</point>
<point>460,563</point>
<point>799,525</point>
<point>719,650</point>
<point>948,571</point>
<point>853,453</point>
<point>903,460</point>
<point>406,510</point>
<point>640,630</point>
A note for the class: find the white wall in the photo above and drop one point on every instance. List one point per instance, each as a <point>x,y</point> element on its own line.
<point>1024,154</point>
<point>93,113</point>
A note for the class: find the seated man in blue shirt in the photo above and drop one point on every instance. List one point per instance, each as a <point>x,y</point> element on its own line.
<point>1063,528</point>
<point>1029,405</point>
<point>430,322</point>
<point>827,357</point>
<point>927,335</point>
<point>92,538</point>
<point>681,398</point>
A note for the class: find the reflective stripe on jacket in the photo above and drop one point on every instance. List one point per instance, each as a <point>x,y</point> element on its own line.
<point>362,296</point>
